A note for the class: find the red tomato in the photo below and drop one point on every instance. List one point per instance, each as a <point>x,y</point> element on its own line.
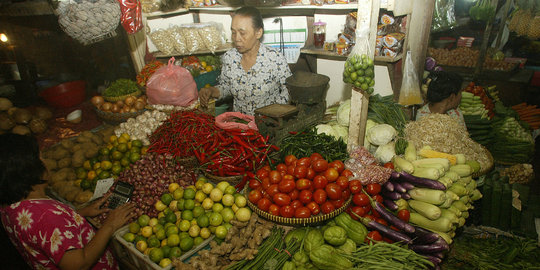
<point>274,210</point>
<point>338,165</point>
<point>381,221</point>
<point>389,165</point>
<point>302,212</point>
<point>296,203</point>
<point>300,172</point>
<point>289,159</point>
<point>333,191</point>
<point>281,199</point>
<point>319,165</point>
<point>282,173</point>
<point>305,196</point>
<point>272,189</point>
<point>262,173</point>
<point>290,169</point>
<point>286,211</point>
<point>358,210</point>
<point>275,177</point>
<point>265,182</point>
<point>373,189</point>
<point>287,177</point>
<point>316,156</point>
<point>327,207</point>
<point>347,173</point>
<point>338,203</point>
<point>294,194</point>
<point>286,186</point>
<point>281,167</point>
<point>320,182</point>
<point>310,173</point>
<point>370,217</point>
<point>254,196</point>
<point>355,186</point>
<point>343,182</point>
<point>373,236</point>
<point>404,215</point>
<point>368,209</point>
<point>360,199</point>
<point>378,198</point>
<point>319,196</point>
<point>267,167</point>
<point>331,174</point>
<point>264,204</point>
<point>314,208</point>
<point>303,183</point>
<point>345,194</point>
<point>254,183</point>
<point>305,161</point>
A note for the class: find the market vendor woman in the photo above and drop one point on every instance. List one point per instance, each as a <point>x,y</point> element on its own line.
<point>443,96</point>
<point>252,73</point>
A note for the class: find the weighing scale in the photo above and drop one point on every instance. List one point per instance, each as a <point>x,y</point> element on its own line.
<point>307,93</point>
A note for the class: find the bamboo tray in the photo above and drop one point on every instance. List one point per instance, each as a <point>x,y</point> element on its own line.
<point>233,180</point>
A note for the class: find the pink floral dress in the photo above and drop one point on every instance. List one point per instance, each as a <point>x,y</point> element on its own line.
<point>43,230</point>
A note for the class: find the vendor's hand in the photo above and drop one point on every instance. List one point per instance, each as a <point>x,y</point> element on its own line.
<point>206,93</point>
<point>95,209</point>
<point>120,216</point>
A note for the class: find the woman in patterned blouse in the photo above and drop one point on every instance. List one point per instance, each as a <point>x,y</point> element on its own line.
<point>47,233</point>
<point>253,73</point>
<point>443,96</point>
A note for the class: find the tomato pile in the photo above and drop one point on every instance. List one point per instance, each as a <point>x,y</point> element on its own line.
<point>301,187</point>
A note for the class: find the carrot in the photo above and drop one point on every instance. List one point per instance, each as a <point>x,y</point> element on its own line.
<point>519,106</point>
<point>529,113</point>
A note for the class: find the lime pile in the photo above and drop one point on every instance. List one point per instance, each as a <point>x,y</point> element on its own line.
<point>359,71</point>
<point>187,216</point>
<point>113,158</point>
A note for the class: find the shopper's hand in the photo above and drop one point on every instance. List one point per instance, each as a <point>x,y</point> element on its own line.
<point>94,209</point>
<point>119,216</point>
<point>206,93</point>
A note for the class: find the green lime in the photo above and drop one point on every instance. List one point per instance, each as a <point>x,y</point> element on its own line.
<point>187,215</point>
<point>143,220</point>
<point>124,161</point>
<point>186,243</point>
<point>139,238</point>
<point>189,204</point>
<point>357,84</point>
<point>350,69</point>
<point>198,211</point>
<point>104,158</point>
<point>175,252</point>
<point>86,184</point>
<point>162,220</point>
<point>106,165</point>
<point>360,73</point>
<point>93,161</point>
<point>122,147</point>
<point>358,66</point>
<point>171,218</point>
<point>104,151</point>
<point>133,157</point>
<point>183,235</point>
<point>173,240</point>
<point>116,169</point>
<point>171,230</point>
<point>153,241</point>
<point>371,83</point>
<point>116,155</point>
<point>180,204</point>
<point>136,143</point>
<point>160,234</point>
<point>369,72</point>
<point>197,241</point>
<point>166,251</point>
<point>134,149</point>
<point>134,227</point>
<point>156,255</point>
<point>166,198</point>
<point>189,194</point>
<point>364,66</point>
<point>184,225</point>
<point>104,175</point>
<point>130,237</point>
<point>203,221</point>
<point>353,76</point>
<point>364,86</point>
<point>167,211</point>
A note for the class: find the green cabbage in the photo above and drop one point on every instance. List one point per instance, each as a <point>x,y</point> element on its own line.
<point>385,153</point>
<point>343,113</point>
<point>341,132</point>
<point>381,134</point>
<point>326,129</point>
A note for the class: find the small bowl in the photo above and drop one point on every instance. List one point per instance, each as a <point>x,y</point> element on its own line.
<point>74,117</point>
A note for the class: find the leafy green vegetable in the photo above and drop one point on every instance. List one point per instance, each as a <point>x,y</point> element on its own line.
<point>121,87</point>
<point>305,143</point>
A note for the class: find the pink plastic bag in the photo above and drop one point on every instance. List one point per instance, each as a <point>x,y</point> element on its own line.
<point>227,121</point>
<point>172,85</point>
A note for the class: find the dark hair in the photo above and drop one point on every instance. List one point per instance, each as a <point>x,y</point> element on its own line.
<point>443,84</point>
<point>20,167</point>
<point>254,14</point>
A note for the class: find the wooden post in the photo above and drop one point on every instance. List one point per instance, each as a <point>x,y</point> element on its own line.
<point>419,28</point>
<point>368,13</point>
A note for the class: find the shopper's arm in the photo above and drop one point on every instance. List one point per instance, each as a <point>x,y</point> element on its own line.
<point>85,257</point>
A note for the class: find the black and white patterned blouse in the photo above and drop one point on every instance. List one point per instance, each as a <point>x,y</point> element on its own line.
<point>262,85</point>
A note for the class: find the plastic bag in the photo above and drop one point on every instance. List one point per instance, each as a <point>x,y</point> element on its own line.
<point>164,40</point>
<point>444,17</point>
<point>179,40</point>
<point>359,68</point>
<point>230,120</point>
<point>410,85</point>
<point>194,42</point>
<point>131,15</point>
<point>172,85</point>
<point>211,36</point>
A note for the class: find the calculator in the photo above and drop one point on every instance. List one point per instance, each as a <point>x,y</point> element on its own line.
<point>121,194</point>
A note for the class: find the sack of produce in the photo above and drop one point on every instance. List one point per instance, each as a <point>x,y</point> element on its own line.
<point>359,70</point>
<point>236,120</point>
<point>410,86</point>
<point>172,85</point>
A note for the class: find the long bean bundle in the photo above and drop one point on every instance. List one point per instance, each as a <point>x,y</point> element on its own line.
<point>383,255</point>
<point>385,110</point>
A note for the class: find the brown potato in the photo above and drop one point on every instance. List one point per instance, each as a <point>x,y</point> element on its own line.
<point>64,163</point>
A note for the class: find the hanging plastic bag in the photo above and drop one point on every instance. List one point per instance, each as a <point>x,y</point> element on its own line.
<point>172,85</point>
<point>131,15</point>
<point>444,17</point>
<point>410,85</point>
<point>236,120</point>
<point>359,70</point>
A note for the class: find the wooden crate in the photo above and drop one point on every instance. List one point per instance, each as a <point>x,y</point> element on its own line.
<point>127,251</point>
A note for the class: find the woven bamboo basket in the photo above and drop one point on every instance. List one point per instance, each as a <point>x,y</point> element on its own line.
<point>233,180</point>
<point>117,118</point>
<point>487,169</point>
<point>115,99</point>
<point>299,221</point>
<point>188,162</point>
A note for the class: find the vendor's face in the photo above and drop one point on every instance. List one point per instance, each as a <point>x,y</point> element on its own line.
<point>455,100</point>
<point>244,36</point>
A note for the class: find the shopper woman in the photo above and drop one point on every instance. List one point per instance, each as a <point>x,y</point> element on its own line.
<point>443,95</point>
<point>48,233</point>
<point>252,73</point>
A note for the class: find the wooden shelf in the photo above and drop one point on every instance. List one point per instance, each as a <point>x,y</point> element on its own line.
<point>317,51</point>
<point>323,7</point>
<point>168,13</point>
<point>224,48</point>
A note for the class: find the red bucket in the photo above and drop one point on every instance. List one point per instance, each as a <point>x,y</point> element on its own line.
<point>65,95</point>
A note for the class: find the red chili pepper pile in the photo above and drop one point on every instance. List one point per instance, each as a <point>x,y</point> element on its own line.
<point>147,71</point>
<point>221,152</point>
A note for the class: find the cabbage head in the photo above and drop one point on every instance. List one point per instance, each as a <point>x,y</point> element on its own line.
<point>381,134</point>
<point>344,112</point>
<point>385,153</point>
<point>341,132</point>
<point>326,129</point>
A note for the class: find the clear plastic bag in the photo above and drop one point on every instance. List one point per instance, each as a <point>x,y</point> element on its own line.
<point>193,40</point>
<point>410,85</point>
<point>444,17</point>
<point>163,39</point>
<point>211,35</point>
<point>172,85</point>
<point>179,40</point>
<point>131,15</point>
<point>359,67</point>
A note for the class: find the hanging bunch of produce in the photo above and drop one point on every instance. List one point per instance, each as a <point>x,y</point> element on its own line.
<point>483,10</point>
<point>529,114</point>
<point>525,19</point>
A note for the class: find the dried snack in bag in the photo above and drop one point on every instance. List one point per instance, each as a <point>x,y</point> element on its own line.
<point>179,40</point>
<point>393,40</point>
<point>359,67</point>
<point>211,36</point>
<point>410,85</point>
<point>193,40</point>
<point>163,40</point>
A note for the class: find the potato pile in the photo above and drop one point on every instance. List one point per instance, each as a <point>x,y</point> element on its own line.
<point>467,57</point>
<point>62,159</point>
<point>22,121</point>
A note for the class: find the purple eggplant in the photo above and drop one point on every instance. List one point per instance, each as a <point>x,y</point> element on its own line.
<point>390,205</point>
<point>399,188</point>
<point>388,186</point>
<point>398,223</point>
<point>420,182</point>
<point>385,230</point>
<point>424,237</point>
<point>391,195</point>
<point>429,248</point>
<point>434,260</point>
<point>407,185</point>
<point>439,255</point>
<point>406,196</point>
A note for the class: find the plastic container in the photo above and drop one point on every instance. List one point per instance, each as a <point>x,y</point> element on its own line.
<point>319,34</point>
<point>65,95</point>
